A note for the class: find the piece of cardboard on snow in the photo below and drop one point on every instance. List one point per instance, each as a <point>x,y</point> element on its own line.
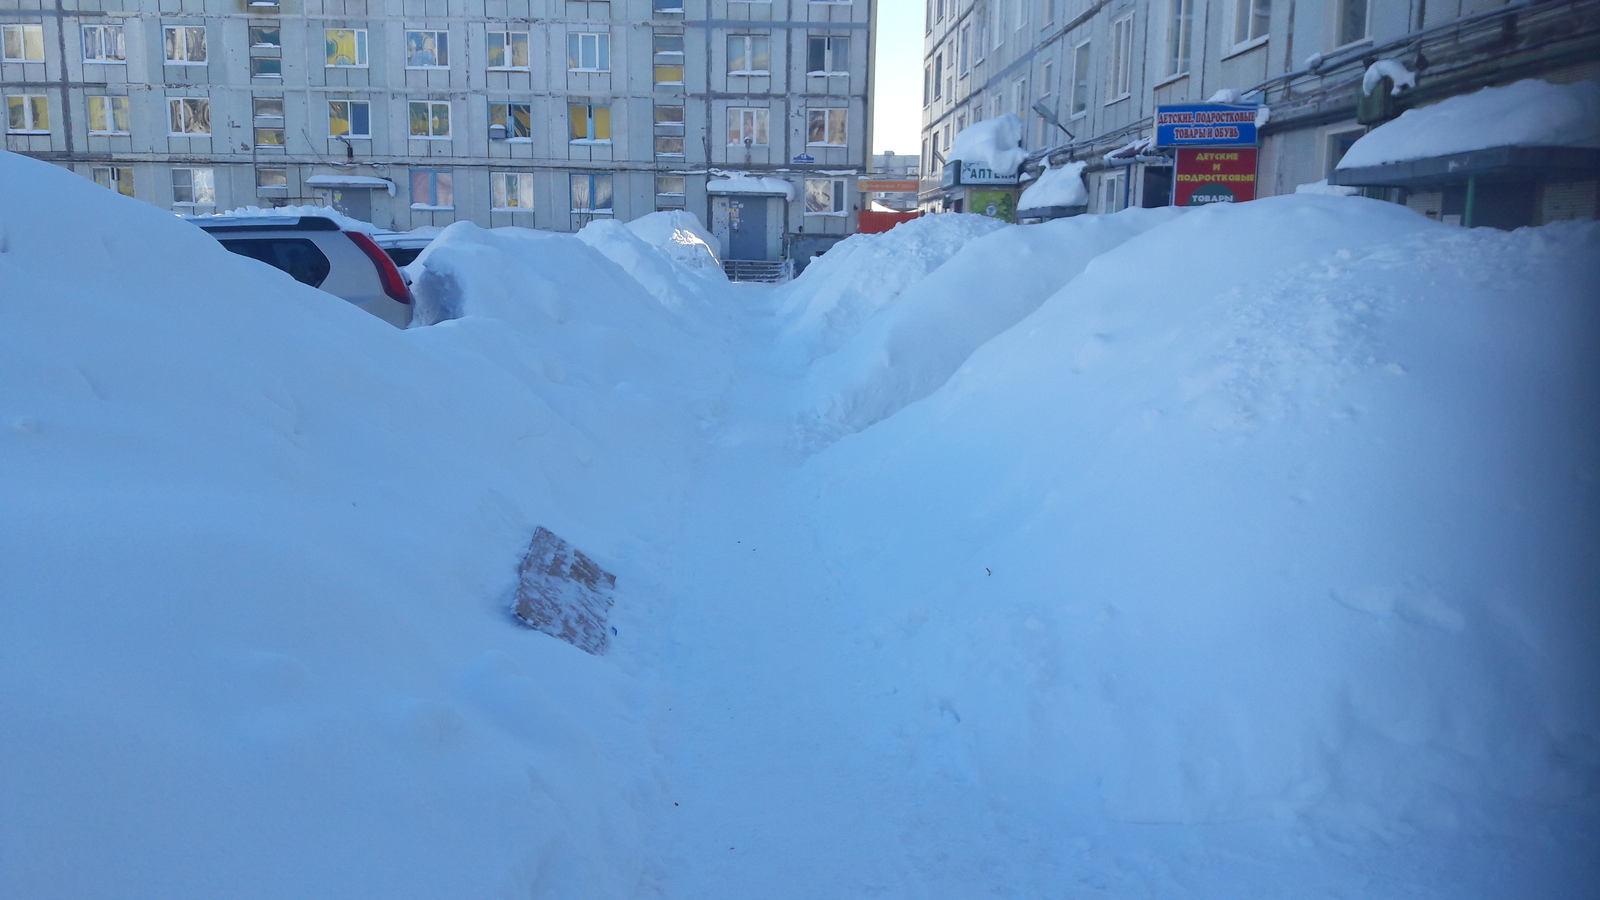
<point>564,593</point>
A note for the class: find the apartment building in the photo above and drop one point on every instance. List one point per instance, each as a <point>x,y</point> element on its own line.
<point>1102,67</point>
<point>538,113</point>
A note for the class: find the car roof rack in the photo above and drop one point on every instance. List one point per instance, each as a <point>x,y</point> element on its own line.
<point>277,223</point>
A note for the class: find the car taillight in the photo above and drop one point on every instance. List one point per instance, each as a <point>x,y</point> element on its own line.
<point>388,274</point>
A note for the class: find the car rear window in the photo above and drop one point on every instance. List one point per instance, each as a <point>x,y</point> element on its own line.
<point>299,257</point>
<point>403,256</point>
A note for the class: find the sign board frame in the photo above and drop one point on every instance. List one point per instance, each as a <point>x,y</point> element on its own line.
<point>1215,175</point>
<point>1206,124</point>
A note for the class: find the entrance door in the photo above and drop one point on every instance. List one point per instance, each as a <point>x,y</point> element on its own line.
<point>355,202</point>
<point>747,227</point>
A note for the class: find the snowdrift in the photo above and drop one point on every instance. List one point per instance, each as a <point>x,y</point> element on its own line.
<point>1243,575</point>
<point>258,548</point>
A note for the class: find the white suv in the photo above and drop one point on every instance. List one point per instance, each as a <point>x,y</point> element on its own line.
<point>314,250</point>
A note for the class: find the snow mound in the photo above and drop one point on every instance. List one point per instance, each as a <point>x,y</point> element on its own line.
<point>1279,573</point>
<point>1057,186</point>
<point>680,233</point>
<point>915,342</point>
<point>1529,113</point>
<point>656,267</point>
<point>862,273</point>
<point>258,547</point>
<point>994,144</point>
<point>1323,187</point>
<point>345,222</point>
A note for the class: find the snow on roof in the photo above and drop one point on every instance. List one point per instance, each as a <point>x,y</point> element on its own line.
<point>351,181</point>
<point>746,183</point>
<point>1394,70</point>
<point>1529,113</point>
<point>1129,150</point>
<point>1057,186</point>
<point>994,144</point>
<point>327,212</point>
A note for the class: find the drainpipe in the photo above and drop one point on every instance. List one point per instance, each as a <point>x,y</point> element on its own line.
<point>1472,196</point>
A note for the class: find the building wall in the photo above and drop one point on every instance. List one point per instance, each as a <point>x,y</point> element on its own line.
<point>547,154</point>
<point>1020,52</point>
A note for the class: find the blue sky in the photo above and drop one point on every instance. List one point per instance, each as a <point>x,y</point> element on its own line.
<point>897,112</point>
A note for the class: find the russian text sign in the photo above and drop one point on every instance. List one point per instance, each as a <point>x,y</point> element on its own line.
<point>1215,176</point>
<point>1205,124</point>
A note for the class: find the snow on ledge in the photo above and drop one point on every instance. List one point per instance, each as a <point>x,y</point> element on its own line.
<point>1529,113</point>
<point>746,183</point>
<point>994,144</point>
<point>351,181</point>
<point>1394,70</point>
<point>1058,186</point>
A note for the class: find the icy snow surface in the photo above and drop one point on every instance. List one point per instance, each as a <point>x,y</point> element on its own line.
<point>1057,186</point>
<point>993,143</point>
<point>327,212</point>
<point>1079,560</point>
<point>1529,113</point>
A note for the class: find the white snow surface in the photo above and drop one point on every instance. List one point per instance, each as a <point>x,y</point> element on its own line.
<point>1074,560</point>
<point>1057,186</point>
<point>993,143</point>
<point>1401,77</point>
<point>351,180</point>
<point>746,183</point>
<point>345,222</point>
<point>1323,187</point>
<point>1529,113</point>
<point>681,234</point>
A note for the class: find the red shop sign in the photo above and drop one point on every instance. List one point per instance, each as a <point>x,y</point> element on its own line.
<point>1215,175</point>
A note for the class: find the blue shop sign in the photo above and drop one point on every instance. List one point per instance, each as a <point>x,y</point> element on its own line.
<point>1204,124</point>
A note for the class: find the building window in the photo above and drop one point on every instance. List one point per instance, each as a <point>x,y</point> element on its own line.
<point>194,187</point>
<point>430,119</point>
<point>432,189</point>
<point>104,44</point>
<point>1352,20</point>
<point>966,41</point>
<point>268,108</point>
<point>427,49</point>
<point>515,120</point>
<point>511,191</point>
<point>508,50</point>
<point>1020,92</point>
<point>669,57</point>
<point>826,126</point>
<point>1111,190</point>
<point>1180,31</point>
<point>266,67</point>
<point>670,190</point>
<point>109,115</point>
<point>266,34</point>
<point>749,54</point>
<point>1338,144</point>
<point>669,6</point>
<point>268,136</point>
<point>1080,78</point>
<point>27,114</point>
<point>349,118</point>
<point>268,121</point>
<point>1121,62</point>
<point>669,129</point>
<point>748,125</point>
<point>589,121</point>
<point>589,52</point>
<point>117,178</point>
<point>189,115</point>
<point>185,45</point>
<point>927,84</point>
<point>827,55</point>
<point>591,194</point>
<point>982,36</point>
<point>1049,12</point>
<point>346,47</point>
<point>273,179</point>
<point>22,43</point>
<point>825,196</point>
<point>938,76</point>
<point>1251,18</point>
<point>1047,77</point>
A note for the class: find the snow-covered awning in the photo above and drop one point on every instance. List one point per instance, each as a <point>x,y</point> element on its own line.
<point>994,144</point>
<point>745,183</point>
<point>1058,187</point>
<point>1129,152</point>
<point>366,181</point>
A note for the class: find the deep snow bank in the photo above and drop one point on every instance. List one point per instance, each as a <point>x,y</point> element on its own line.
<point>1258,573</point>
<point>257,547</point>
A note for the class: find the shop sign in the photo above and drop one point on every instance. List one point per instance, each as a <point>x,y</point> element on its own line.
<point>957,173</point>
<point>994,204</point>
<point>1205,176</point>
<point>888,187</point>
<point>1203,124</point>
